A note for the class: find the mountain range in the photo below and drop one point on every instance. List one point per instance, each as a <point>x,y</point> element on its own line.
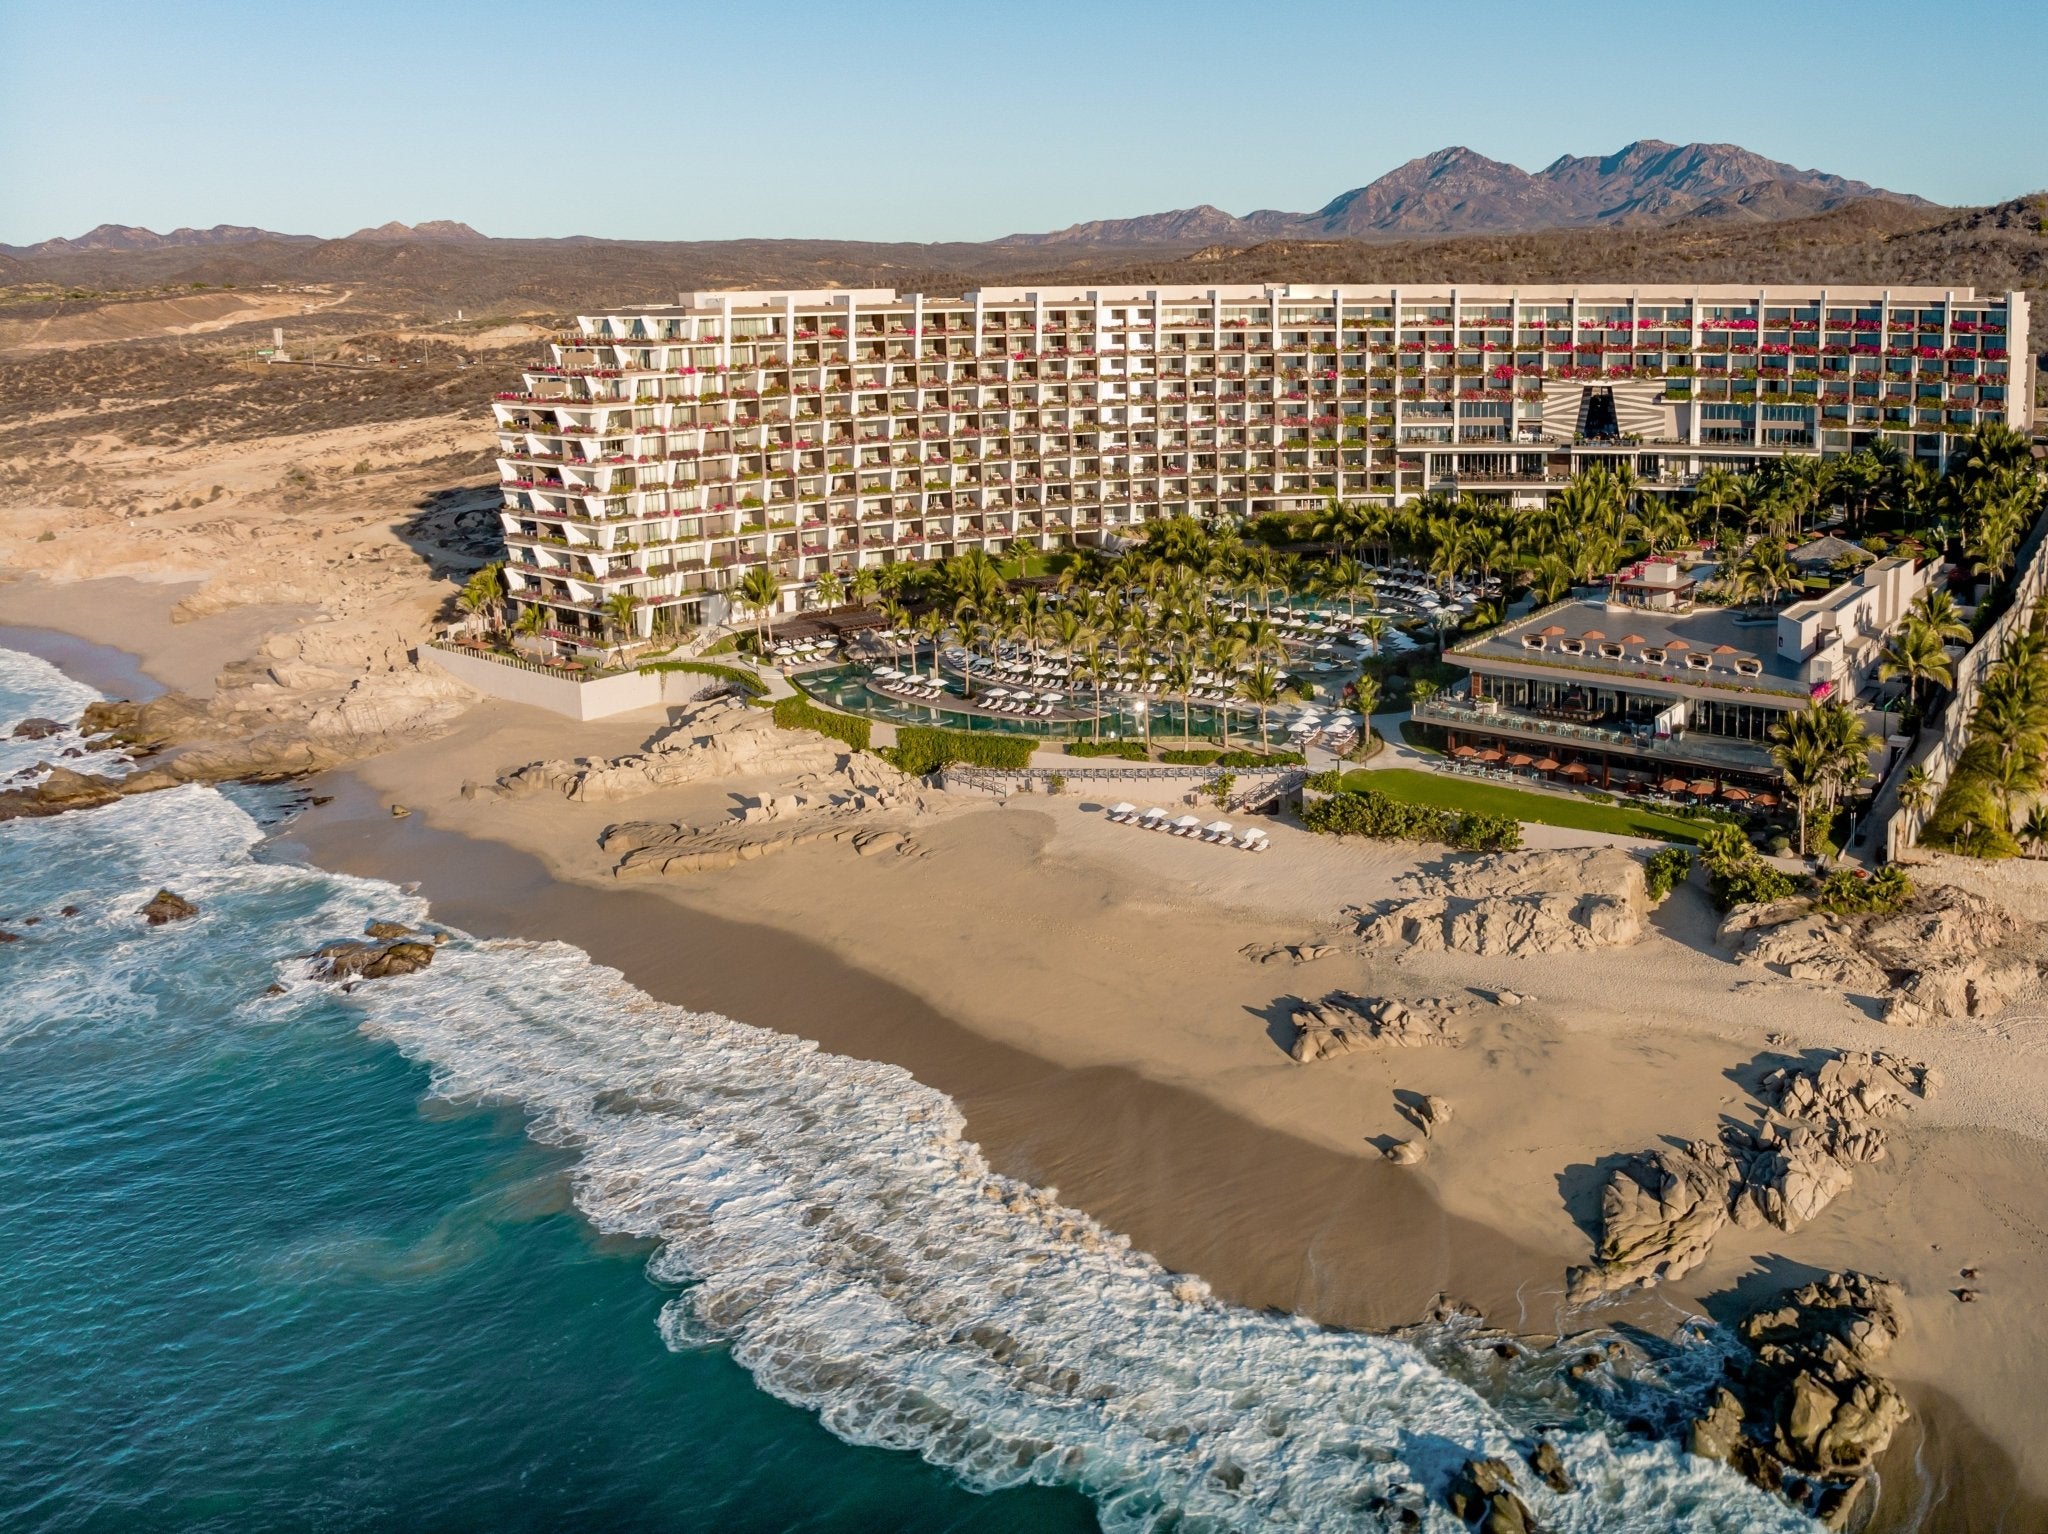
<point>1454,191</point>
<point>1459,191</point>
<point>114,239</point>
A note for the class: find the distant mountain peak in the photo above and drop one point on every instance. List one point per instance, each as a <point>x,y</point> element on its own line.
<point>432,229</point>
<point>1457,190</point>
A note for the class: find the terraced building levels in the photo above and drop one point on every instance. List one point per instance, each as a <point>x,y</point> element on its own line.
<point>662,452</point>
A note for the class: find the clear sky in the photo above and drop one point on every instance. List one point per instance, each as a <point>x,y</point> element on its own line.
<point>902,119</point>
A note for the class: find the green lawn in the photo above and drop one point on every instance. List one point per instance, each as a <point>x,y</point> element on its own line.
<point>1454,793</point>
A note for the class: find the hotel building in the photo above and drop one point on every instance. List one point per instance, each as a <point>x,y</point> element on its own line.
<point>661,452</point>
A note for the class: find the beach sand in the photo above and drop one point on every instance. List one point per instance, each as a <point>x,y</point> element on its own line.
<point>1080,988</point>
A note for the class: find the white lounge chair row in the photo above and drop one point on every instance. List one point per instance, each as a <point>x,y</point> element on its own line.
<point>1217,832</point>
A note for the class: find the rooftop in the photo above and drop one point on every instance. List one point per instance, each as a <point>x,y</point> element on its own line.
<point>1712,646</point>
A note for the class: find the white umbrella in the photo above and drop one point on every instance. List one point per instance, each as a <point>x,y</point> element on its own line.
<point>1187,822</point>
<point>1217,828</point>
<point>1050,697</point>
<point>995,692</point>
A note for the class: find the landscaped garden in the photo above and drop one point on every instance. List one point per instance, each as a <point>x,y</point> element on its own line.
<point>1574,812</point>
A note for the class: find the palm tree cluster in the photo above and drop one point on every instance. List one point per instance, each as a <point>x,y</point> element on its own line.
<point>2005,762</point>
<point>1823,752</point>
<point>1142,610</point>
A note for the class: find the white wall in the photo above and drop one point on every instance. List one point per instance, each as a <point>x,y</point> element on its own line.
<point>597,699</point>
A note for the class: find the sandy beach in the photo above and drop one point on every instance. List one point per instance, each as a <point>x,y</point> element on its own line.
<point>1082,991</point>
<point>1085,993</point>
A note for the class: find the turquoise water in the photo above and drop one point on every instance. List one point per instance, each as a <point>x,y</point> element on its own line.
<point>508,1245</point>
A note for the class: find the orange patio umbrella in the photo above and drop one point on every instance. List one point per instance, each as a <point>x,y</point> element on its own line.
<point>1547,764</point>
<point>1673,785</point>
<point>1735,795</point>
<point>1575,769</point>
<point>1765,801</point>
<point>1464,750</point>
<point>1519,760</point>
<point>1701,786</point>
<point>1491,754</point>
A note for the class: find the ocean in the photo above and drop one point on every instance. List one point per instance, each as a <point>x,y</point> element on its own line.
<point>507,1244</point>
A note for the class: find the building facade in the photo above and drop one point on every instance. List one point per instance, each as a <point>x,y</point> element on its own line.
<point>1620,686</point>
<point>662,452</point>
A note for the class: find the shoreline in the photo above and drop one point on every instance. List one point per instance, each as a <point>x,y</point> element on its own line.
<point>1184,1174</point>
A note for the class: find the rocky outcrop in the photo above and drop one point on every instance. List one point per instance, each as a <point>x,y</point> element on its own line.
<point>1660,1210</point>
<point>1517,903</point>
<point>1483,1493</point>
<point>716,740</point>
<point>1341,1023</point>
<point>165,907</point>
<point>1804,1413</point>
<point>1948,953</point>
<point>387,949</point>
<point>36,728</point>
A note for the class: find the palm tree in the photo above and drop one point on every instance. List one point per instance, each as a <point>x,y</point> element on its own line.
<point>2034,829</point>
<point>760,591</point>
<point>618,611</point>
<point>1374,627</point>
<point>531,620</point>
<point>1937,610</point>
<point>1916,790</point>
<point>1915,654</point>
<point>483,594</point>
<point>931,623</point>
<point>830,590</point>
<point>864,586</point>
<point>1180,677</point>
<point>1261,685</point>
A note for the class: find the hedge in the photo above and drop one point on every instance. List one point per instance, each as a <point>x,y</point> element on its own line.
<point>923,748</point>
<point>800,713</point>
<point>1210,756</point>
<point>1367,812</point>
<point>746,681</point>
<point>1126,750</point>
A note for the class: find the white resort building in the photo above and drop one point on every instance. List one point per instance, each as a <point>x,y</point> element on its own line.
<point>662,452</point>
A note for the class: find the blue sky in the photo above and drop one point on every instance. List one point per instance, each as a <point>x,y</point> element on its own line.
<point>899,119</point>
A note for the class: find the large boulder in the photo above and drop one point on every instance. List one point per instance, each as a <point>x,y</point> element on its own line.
<point>1659,1214</point>
<point>37,728</point>
<point>1803,1412</point>
<point>1341,1023</point>
<point>165,907</point>
<point>373,960</point>
<point>1517,903</point>
<point>1948,952</point>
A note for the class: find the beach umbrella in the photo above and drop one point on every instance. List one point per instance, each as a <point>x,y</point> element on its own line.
<point>1188,822</point>
<point>1546,764</point>
<point>1050,697</point>
<point>1218,828</point>
<point>995,692</point>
